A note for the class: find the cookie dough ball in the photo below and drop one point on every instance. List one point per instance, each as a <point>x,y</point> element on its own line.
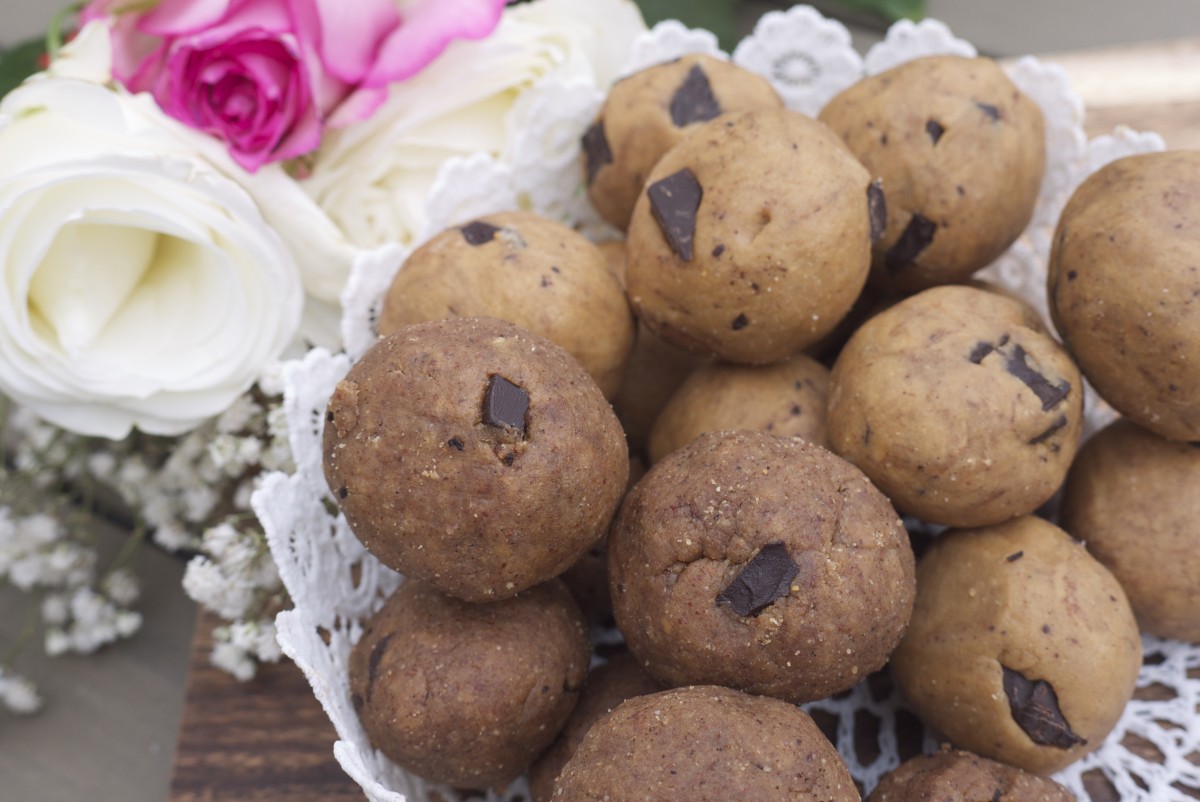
<point>706,744</point>
<point>607,686</point>
<point>473,455</point>
<point>1124,288</point>
<point>656,371</point>
<point>961,153</point>
<point>468,694</point>
<point>752,238</point>
<point>1022,647</point>
<point>958,406</point>
<point>761,563</point>
<point>787,400</point>
<point>525,269</point>
<point>1132,497</point>
<point>647,114</point>
<point>954,776</point>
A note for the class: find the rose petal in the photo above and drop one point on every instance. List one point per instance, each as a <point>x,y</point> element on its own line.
<point>348,42</point>
<point>427,27</point>
<point>175,17</point>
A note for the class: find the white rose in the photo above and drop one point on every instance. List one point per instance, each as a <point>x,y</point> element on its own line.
<point>372,178</point>
<point>140,286</point>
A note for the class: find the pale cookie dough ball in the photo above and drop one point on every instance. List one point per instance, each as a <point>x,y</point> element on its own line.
<point>1022,647</point>
<point>1134,499</point>
<point>961,153</point>
<point>786,400</point>
<point>761,563</point>
<point>706,744</point>
<point>1124,288</point>
<point>958,406</point>
<point>473,455</point>
<point>955,776</point>
<point>525,269</point>
<point>752,238</point>
<point>646,114</point>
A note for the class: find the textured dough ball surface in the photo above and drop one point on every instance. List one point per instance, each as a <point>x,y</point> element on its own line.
<point>1134,498</point>
<point>706,744</point>
<point>761,563</point>
<point>958,406</point>
<point>1022,647</point>
<point>751,239</point>
<point>473,455</point>
<point>955,776</point>
<point>469,694</point>
<point>961,154</point>
<point>1124,287</point>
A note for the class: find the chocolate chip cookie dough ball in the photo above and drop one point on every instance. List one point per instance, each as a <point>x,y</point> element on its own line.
<point>468,694</point>
<point>607,686</point>
<point>647,114</point>
<point>955,776</point>
<point>526,269</point>
<point>786,400</point>
<point>706,744</point>
<point>473,455</point>
<point>761,563</point>
<point>1124,288</point>
<point>1134,498</point>
<point>751,239</point>
<point>1022,647</point>
<point>958,406</point>
<point>961,153</point>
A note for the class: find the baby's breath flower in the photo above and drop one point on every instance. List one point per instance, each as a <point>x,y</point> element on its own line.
<point>19,695</point>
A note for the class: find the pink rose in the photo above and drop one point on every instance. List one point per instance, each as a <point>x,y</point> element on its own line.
<point>267,76</point>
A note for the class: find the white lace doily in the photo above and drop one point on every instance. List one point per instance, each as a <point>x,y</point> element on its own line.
<point>334,583</point>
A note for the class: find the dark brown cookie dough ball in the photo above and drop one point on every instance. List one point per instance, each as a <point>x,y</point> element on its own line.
<point>468,694</point>
<point>1134,499</point>
<point>1124,288</point>
<point>706,744</point>
<point>786,400</point>
<point>474,455</point>
<point>761,563</point>
<point>955,776</point>
<point>525,269</point>
<point>751,239</point>
<point>607,686</point>
<point>1022,647</point>
<point>961,153</point>
<point>958,406</point>
<point>647,114</point>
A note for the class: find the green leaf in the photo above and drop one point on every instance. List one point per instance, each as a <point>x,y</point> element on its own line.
<point>718,16</point>
<point>891,10</point>
<point>18,63</point>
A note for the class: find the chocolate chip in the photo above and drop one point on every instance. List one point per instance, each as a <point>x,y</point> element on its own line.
<point>329,417</point>
<point>343,492</point>
<point>505,404</point>
<point>596,150</point>
<point>766,578</point>
<point>717,251</point>
<point>917,236</point>
<point>1051,395</point>
<point>1012,558</point>
<point>876,209</point>
<point>795,409</point>
<point>376,656</point>
<point>1072,275</point>
<point>1034,707</point>
<point>980,351</point>
<point>674,202</point>
<point>1050,430</point>
<point>694,101</point>
<point>509,458</point>
<point>934,129</point>
<point>996,796</point>
<point>479,233</point>
<point>455,443</point>
<point>740,322</point>
<point>990,110</point>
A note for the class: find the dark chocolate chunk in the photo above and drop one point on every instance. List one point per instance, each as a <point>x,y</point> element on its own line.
<point>917,236</point>
<point>479,233</point>
<point>694,101</point>
<point>1059,423</point>
<point>980,351</point>
<point>1034,707</point>
<point>329,417</point>
<point>1072,275</point>
<point>509,458</point>
<point>997,795</point>
<point>990,110</point>
<point>1050,394</point>
<point>343,491</point>
<point>596,150</point>
<point>455,443</point>
<point>935,130</point>
<point>373,660</point>
<point>717,251</point>
<point>674,202</point>
<point>767,577</point>
<point>740,322</point>
<point>1016,555</point>
<point>795,409</point>
<point>505,404</point>
<point>876,209</point>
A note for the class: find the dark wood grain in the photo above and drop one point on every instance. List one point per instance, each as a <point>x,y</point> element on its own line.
<point>267,740</point>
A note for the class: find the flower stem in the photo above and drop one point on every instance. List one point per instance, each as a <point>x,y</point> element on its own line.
<point>28,630</point>
<point>129,551</point>
<point>54,35</point>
